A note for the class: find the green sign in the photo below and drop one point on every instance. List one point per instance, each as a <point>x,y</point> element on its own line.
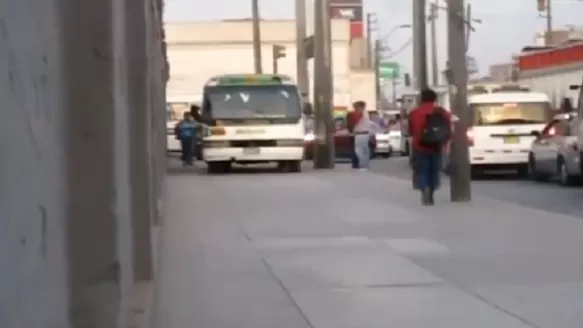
<point>389,70</point>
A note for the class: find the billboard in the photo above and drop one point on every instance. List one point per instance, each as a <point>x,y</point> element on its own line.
<point>352,13</point>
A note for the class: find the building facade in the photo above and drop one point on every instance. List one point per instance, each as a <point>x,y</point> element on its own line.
<point>200,50</point>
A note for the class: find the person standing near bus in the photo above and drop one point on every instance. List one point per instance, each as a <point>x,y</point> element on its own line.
<point>185,131</point>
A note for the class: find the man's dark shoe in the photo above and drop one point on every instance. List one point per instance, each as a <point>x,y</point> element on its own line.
<point>430,200</point>
<point>425,194</point>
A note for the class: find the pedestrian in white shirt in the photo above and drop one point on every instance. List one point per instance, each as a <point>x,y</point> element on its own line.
<point>362,132</point>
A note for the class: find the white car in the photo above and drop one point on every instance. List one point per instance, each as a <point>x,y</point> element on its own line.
<point>554,152</point>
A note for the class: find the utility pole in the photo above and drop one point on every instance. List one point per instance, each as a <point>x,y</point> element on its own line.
<point>256,37</point>
<point>548,36</point>
<point>371,45</point>
<point>302,58</point>
<point>460,172</point>
<point>419,44</point>
<point>433,30</point>
<point>377,75</point>
<point>323,88</point>
<point>544,7</point>
<point>394,92</point>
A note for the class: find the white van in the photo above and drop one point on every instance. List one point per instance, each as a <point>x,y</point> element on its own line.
<point>502,129</point>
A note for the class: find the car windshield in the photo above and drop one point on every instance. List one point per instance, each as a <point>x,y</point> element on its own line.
<point>511,113</point>
<point>253,102</point>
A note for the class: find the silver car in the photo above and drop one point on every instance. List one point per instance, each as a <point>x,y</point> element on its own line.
<point>554,153</point>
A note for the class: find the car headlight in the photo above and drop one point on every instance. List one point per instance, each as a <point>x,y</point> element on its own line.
<point>309,137</point>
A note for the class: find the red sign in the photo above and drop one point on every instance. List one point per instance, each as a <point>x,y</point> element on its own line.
<point>551,58</point>
<point>356,30</point>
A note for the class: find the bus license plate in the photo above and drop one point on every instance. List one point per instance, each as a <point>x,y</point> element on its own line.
<point>511,140</point>
<point>251,151</point>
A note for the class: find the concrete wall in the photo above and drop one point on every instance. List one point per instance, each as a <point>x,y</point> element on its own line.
<point>76,135</point>
<point>199,50</point>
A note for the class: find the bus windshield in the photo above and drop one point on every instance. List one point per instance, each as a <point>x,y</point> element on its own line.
<point>252,102</point>
<point>511,113</point>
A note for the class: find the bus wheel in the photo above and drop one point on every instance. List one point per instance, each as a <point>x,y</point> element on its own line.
<point>218,167</point>
<point>295,166</point>
<point>290,166</point>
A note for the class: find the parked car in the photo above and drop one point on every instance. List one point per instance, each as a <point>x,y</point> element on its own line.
<point>342,145</point>
<point>554,153</point>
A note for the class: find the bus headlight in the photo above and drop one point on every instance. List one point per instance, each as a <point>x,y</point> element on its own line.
<point>309,137</point>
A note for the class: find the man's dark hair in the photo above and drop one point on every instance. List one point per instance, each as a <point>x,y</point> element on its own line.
<point>359,104</point>
<point>428,95</point>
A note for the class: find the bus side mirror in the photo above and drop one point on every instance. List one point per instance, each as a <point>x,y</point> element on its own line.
<point>307,109</point>
<point>195,112</point>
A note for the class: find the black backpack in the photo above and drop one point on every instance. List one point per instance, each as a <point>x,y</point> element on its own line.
<point>436,130</point>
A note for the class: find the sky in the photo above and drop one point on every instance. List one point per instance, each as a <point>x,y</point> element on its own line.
<point>507,25</point>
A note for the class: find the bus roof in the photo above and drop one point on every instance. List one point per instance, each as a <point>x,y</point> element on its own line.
<point>510,97</point>
<point>249,79</point>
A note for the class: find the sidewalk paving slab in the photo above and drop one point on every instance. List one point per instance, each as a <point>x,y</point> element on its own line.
<point>343,249</point>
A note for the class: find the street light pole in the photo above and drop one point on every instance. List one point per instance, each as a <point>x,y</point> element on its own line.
<point>323,88</point>
<point>256,37</point>
<point>302,58</point>
<point>460,171</point>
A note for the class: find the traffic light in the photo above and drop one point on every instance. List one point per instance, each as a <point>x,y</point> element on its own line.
<point>541,5</point>
<point>278,51</point>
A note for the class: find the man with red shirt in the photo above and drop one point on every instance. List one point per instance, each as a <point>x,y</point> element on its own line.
<point>427,157</point>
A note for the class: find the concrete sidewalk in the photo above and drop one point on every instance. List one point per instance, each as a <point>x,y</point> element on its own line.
<point>288,250</point>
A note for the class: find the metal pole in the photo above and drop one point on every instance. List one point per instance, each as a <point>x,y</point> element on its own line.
<point>371,52</point>
<point>460,172</point>
<point>548,37</point>
<point>394,92</point>
<point>324,151</point>
<point>302,60</point>
<point>434,59</point>
<point>274,61</point>
<point>419,44</point>
<point>256,36</point>
<point>376,61</point>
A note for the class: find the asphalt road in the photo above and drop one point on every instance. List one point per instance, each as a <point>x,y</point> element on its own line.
<point>507,187</point>
<point>500,186</point>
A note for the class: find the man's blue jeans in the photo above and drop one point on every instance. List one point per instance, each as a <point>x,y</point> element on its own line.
<point>362,149</point>
<point>427,170</point>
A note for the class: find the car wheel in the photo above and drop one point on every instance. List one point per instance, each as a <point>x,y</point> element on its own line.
<point>565,178</point>
<point>533,172</point>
